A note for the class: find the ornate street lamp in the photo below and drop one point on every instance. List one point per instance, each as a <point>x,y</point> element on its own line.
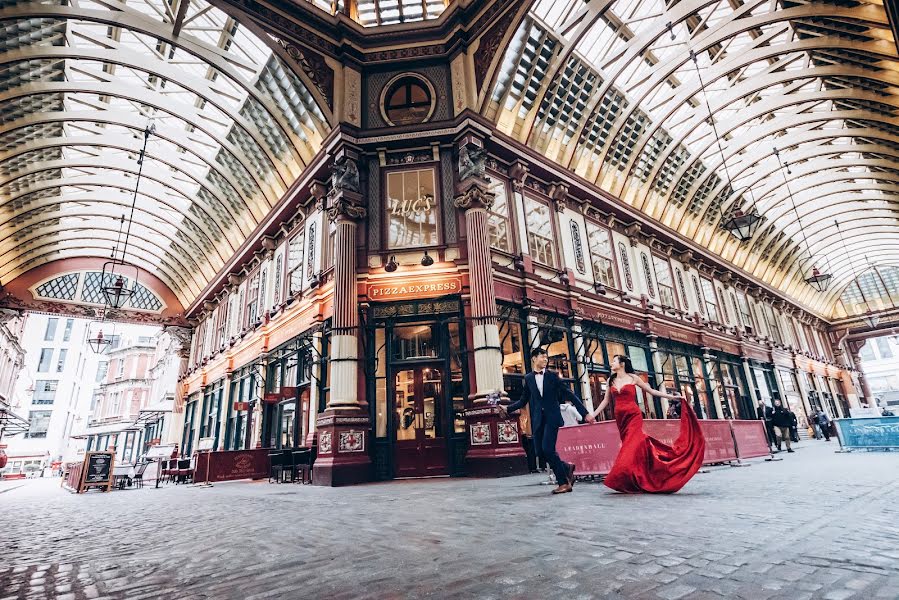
<point>99,343</point>
<point>742,225</point>
<point>818,280</point>
<point>116,293</point>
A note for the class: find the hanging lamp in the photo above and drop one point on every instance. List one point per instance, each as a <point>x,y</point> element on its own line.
<point>739,223</point>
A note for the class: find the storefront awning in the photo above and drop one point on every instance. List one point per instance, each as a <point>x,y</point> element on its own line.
<point>152,415</point>
<point>107,430</point>
<point>11,423</point>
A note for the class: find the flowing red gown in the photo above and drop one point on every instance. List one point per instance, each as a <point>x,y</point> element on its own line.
<point>646,465</point>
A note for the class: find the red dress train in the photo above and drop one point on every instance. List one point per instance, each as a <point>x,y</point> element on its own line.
<point>646,465</point>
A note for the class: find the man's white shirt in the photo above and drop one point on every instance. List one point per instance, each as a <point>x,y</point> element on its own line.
<point>538,377</point>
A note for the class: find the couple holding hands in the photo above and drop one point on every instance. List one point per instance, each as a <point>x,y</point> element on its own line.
<point>644,464</point>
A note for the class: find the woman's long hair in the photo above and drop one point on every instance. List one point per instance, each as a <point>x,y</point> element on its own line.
<point>628,366</point>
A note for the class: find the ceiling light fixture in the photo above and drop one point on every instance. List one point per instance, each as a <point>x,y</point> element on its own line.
<point>816,278</point>
<point>113,283</point>
<point>739,223</point>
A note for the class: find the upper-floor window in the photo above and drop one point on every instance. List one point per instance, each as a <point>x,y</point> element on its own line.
<point>411,209</point>
<point>499,219</point>
<point>538,220</point>
<point>602,254</point>
<point>50,331</point>
<point>120,368</point>
<point>773,325</point>
<point>665,281</point>
<point>711,301</point>
<point>295,249</point>
<point>252,303</point>
<point>45,391</point>
<point>43,365</point>
<point>222,327</point>
<point>38,423</point>
<point>67,334</point>
<point>102,370</point>
<point>722,304</point>
<point>61,360</point>
<point>744,312</point>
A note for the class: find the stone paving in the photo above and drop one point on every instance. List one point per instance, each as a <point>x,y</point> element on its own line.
<point>816,525</point>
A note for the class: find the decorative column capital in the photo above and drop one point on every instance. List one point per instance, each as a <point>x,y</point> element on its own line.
<point>8,314</point>
<point>474,196</point>
<point>344,200</point>
<point>181,337</point>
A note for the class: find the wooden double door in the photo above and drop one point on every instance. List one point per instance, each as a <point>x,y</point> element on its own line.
<point>420,425</point>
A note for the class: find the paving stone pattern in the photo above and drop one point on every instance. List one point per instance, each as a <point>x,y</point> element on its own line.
<point>816,525</point>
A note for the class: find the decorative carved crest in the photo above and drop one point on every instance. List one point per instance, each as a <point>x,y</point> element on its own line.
<point>315,68</point>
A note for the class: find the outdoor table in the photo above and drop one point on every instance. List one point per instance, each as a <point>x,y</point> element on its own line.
<point>123,474</point>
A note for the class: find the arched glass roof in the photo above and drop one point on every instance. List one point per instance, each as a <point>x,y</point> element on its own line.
<point>874,290</point>
<point>370,13</point>
<point>79,84</point>
<point>608,89</point>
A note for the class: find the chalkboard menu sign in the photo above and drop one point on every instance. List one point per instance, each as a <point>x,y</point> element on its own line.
<point>97,471</point>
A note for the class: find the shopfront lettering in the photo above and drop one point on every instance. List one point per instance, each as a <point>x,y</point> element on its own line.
<point>417,289</point>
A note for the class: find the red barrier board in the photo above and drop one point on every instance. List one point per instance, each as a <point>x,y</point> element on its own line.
<point>591,447</point>
<point>750,439</point>
<point>719,442</point>
<point>231,465</point>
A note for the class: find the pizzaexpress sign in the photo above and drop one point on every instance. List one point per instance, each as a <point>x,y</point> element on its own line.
<point>420,288</point>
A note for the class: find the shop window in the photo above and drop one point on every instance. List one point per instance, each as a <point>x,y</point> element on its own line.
<point>552,336</point>
<point>711,301</point>
<point>601,254</point>
<point>411,209</point>
<point>295,249</point>
<point>414,341</point>
<point>499,219</point>
<point>538,219</point>
<point>511,342</point>
<point>665,281</point>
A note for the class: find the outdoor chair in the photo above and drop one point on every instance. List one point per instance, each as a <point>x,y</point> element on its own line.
<point>302,461</point>
<point>139,474</point>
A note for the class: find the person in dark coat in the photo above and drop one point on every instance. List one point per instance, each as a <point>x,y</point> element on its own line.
<point>794,426</point>
<point>823,422</point>
<point>766,413</point>
<point>782,420</point>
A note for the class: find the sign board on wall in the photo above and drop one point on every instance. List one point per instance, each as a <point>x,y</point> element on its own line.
<point>414,288</point>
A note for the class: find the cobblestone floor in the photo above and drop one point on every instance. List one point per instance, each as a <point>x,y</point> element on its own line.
<point>816,525</point>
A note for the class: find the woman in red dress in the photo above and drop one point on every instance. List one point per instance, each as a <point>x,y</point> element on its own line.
<point>644,464</point>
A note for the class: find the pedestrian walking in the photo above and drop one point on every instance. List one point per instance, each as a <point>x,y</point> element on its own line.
<point>782,421</point>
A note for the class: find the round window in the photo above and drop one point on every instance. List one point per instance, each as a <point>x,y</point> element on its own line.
<point>407,100</point>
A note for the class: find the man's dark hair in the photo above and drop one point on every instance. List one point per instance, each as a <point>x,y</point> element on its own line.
<point>537,352</point>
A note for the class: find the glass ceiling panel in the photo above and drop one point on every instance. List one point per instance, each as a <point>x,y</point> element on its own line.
<point>231,123</point>
<point>645,134</point>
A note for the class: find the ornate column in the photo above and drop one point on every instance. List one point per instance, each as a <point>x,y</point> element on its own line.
<point>495,441</point>
<point>855,348</point>
<point>343,428</point>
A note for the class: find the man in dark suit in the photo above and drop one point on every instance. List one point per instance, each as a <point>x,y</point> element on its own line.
<point>544,391</point>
